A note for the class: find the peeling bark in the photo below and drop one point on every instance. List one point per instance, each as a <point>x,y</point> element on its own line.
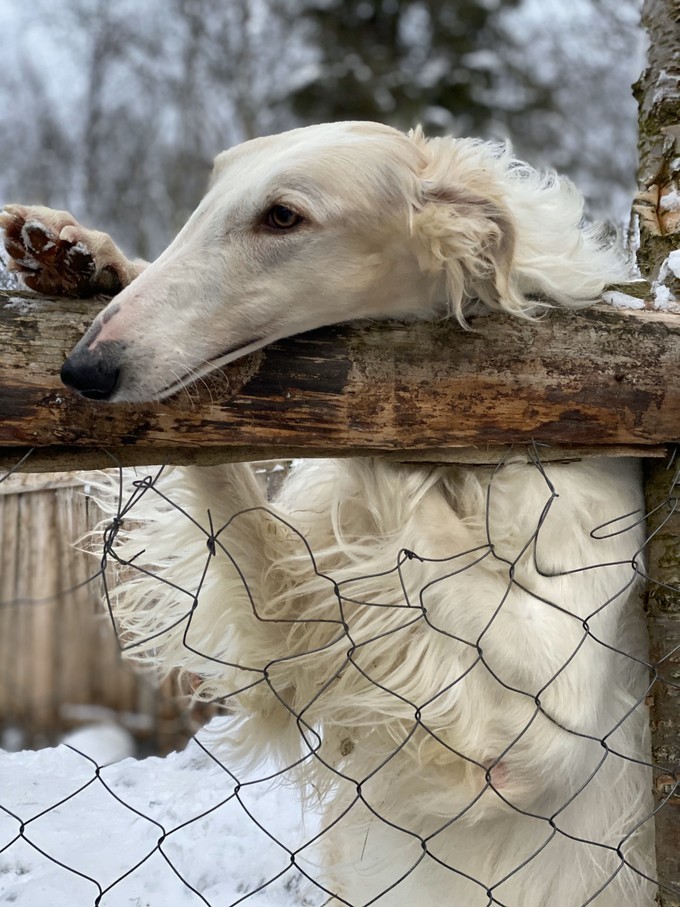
<point>658,95</point>
<point>658,204</point>
<point>663,603</point>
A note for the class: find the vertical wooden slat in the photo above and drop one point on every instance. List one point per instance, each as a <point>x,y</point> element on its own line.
<point>75,606</point>
<point>46,630</point>
<point>8,610</point>
<point>58,651</point>
<point>22,635</point>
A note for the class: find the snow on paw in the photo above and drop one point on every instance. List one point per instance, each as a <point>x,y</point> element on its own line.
<point>53,254</point>
<point>112,270</point>
<point>37,237</point>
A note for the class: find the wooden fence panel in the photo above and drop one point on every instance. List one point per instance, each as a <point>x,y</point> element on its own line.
<point>60,664</point>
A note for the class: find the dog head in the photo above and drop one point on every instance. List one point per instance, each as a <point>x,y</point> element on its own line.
<point>322,225</point>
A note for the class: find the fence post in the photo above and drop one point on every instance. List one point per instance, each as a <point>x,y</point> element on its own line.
<point>663,602</point>
<point>658,95</point>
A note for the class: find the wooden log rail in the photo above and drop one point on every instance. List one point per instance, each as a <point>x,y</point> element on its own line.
<point>603,379</point>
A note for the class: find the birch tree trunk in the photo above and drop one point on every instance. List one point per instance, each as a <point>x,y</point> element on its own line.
<point>658,206</point>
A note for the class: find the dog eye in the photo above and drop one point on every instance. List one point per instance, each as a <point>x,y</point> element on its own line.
<point>282,218</point>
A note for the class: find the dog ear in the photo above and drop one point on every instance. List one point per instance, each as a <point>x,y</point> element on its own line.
<point>219,164</point>
<point>471,240</point>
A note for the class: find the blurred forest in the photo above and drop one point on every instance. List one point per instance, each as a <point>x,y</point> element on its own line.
<point>115,110</point>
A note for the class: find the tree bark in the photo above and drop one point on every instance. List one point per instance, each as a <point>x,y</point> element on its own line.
<point>663,603</point>
<point>658,205</point>
<point>602,379</point>
<point>658,95</point>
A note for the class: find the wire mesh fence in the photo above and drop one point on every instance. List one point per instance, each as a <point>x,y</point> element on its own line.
<point>431,685</point>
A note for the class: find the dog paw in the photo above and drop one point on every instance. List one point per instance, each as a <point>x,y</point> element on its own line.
<point>53,255</point>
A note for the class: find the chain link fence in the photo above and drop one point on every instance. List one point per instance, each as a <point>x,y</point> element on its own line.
<point>430,683</point>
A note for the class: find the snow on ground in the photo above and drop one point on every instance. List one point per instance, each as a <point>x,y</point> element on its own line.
<point>674,263</point>
<point>623,300</point>
<point>664,299</point>
<point>105,742</point>
<point>166,832</point>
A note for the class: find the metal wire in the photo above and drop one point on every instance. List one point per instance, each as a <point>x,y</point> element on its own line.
<point>339,622</point>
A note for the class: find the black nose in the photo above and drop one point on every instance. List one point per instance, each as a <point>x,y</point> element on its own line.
<point>93,373</point>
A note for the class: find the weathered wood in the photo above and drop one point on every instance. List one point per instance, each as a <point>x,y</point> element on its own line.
<point>47,459</point>
<point>663,602</point>
<point>601,377</point>
<point>658,93</point>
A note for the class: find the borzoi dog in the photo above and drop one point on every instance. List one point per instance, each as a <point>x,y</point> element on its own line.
<point>449,656</point>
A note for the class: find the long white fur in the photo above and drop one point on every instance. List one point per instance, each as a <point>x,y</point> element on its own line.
<point>449,669</point>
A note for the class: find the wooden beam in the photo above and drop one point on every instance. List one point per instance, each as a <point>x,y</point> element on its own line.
<point>602,379</point>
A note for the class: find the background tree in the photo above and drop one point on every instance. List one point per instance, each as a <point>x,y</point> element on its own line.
<point>115,110</point>
<point>563,90</point>
<point>123,115</point>
<point>402,61</point>
<point>547,74</point>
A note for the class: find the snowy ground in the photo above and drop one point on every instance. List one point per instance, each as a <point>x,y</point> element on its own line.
<point>147,833</point>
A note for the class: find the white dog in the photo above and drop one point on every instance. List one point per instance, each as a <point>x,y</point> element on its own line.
<point>451,657</point>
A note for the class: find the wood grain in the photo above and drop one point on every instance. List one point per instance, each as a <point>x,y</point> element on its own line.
<point>598,379</point>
